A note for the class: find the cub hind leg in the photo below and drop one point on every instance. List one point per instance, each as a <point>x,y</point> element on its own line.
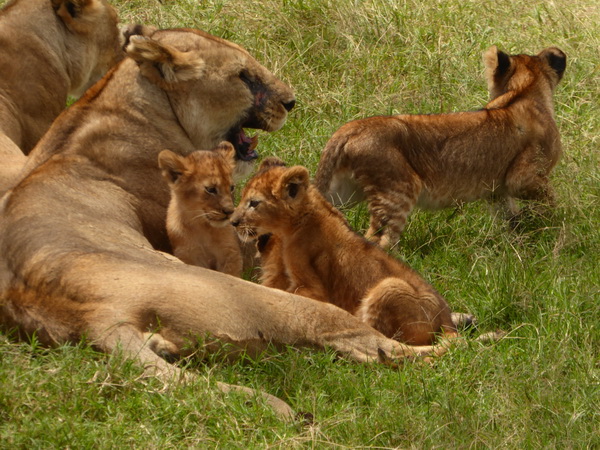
<point>391,195</point>
<point>406,313</point>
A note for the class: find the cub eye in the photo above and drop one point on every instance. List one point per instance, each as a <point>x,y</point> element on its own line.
<point>210,190</point>
<point>254,203</point>
<point>232,188</point>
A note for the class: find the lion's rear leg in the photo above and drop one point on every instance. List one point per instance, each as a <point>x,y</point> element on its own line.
<point>281,408</point>
<point>132,343</point>
<point>407,314</point>
<point>146,348</point>
<point>391,198</point>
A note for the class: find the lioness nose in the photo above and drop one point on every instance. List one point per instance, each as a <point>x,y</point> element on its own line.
<point>289,105</point>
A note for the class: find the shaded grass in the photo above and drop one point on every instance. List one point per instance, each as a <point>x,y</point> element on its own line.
<point>540,387</point>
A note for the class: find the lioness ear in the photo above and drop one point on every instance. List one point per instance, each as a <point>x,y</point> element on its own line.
<point>293,183</point>
<point>496,64</point>
<point>172,165</point>
<point>271,161</point>
<point>163,64</point>
<point>556,59</point>
<point>77,15</point>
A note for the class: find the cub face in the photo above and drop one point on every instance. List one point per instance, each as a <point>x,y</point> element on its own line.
<point>201,184</point>
<point>272,200</point>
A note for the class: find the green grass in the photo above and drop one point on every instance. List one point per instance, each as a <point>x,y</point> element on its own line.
<point>540,387</point>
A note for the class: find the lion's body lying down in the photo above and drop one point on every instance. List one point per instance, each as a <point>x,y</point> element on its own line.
<point>49,49</point>
<point>78,235</point>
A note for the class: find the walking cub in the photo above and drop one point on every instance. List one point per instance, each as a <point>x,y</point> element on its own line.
<point>201,202</point>
<point>505,150</point>
<point>313,252</point>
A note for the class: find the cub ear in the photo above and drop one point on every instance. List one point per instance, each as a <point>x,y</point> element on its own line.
<point>496,64</point>
<point>556,59</point>
<point>78,15</point>
<point>293,183</point>
<point>171,165</point>
<point>163,64</point>
<point>227,152</point>
<point>496,61</point>
<point>271,161</point>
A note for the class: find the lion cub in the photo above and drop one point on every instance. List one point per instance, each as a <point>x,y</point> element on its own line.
<point>312,251</point>
<point>505,150</point>
<point>201,203</point>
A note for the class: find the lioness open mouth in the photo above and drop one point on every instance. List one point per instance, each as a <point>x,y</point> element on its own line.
<point>244,146</point>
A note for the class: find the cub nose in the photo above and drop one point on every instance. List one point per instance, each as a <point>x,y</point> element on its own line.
<point>228,212</point>
<point>289,105</point>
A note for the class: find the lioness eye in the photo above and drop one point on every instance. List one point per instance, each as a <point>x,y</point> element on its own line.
<point>254,203</point>
<point>211,190</point>
<point>245,77</point>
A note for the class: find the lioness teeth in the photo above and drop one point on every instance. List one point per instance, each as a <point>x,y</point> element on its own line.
<point>245,146</point>
<point>253,142</point>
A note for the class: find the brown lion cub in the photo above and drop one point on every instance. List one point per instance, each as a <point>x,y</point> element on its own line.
<point>201,203</point>
<point>313,252</point>
<point>505,150</point>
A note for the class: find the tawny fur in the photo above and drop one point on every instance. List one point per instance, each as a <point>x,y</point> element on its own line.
<point>272,266</point>
<point>81,234</point>
<point>504,151</point>
<point>198,224</point>
<point>50,49</point>
<point>314,253</point>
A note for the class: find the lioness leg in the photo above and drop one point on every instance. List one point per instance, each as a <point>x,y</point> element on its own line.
<point>144,348</point>
<point>405,313</point>
<point>134,344</point>
<point>184,303</point>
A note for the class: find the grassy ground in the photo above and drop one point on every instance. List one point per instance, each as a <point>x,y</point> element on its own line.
<point>346,59</point>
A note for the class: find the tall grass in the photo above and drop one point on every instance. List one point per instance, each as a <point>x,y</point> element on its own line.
<point>347,59</point>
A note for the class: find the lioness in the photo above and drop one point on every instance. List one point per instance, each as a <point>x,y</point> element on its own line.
<point>505,150</point>
<point>322,258</point>
<point>80,235</point>
<point>49,49</point>
<point>198,224</point>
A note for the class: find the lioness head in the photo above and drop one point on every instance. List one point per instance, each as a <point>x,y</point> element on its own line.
<point>228,85</point>
<point>201,183</point>
<point>94,37</point>
<point>505,73</point>
<point>271,200</point>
